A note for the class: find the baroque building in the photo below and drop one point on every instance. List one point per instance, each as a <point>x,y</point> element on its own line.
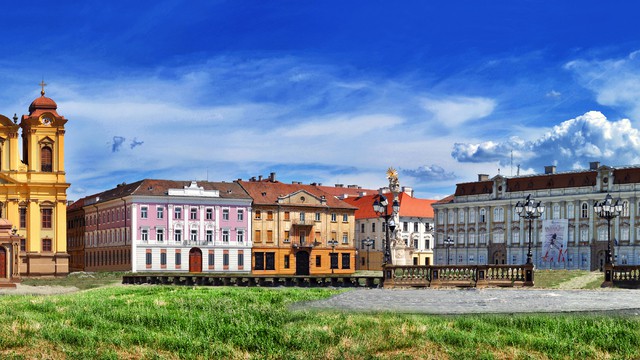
<point>33,190</point>
<point>162,225</point>
<point>300,229</point>
<point>483,227</point>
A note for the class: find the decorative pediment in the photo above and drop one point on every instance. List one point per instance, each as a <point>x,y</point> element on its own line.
<point>301,197</point>
<point>46,141</point>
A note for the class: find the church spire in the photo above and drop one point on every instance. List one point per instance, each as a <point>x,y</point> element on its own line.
<point>43,85</point>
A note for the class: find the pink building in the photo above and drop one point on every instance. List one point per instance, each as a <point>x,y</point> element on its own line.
<point>163,225</point>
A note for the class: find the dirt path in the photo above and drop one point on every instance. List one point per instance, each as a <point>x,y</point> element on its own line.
<point>38,290</point>
<point>581,281</point>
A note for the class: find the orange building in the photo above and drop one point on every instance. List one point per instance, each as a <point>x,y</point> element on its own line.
<point>300,229</point>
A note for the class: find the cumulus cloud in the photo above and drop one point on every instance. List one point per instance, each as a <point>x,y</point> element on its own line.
<point>455,111</point>
<point>117,143</point>
<point>569,145</point>
<point>429,173</point>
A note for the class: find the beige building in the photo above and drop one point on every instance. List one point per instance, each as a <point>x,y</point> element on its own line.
<point>33,188</point>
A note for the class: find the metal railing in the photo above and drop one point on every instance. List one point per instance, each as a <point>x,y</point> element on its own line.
<point>458,275</point>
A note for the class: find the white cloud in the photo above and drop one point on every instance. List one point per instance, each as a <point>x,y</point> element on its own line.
<point>455,111</point>
<point>569,145</point>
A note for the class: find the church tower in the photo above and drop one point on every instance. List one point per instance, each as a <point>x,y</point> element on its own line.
<point>33,187</point>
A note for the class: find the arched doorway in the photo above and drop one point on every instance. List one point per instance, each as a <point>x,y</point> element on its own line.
<point>195,260</point>
<point>302,263</point>
<point>499,258</point>
<point>3,263</point>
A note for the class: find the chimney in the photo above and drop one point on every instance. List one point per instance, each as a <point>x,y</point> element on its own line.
<point>594,165</point>
<point>259,177</point>
<point>551,169</point>
<point>483,177</point>
<point>362,193</point>
<point>339,185</point>
<point>272,177</point>
<point>408,190</point>
<point>352,186</point>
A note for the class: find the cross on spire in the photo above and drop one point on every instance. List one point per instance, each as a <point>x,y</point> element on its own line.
<point>43,85</point>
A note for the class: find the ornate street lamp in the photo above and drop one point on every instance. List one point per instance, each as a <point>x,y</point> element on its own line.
<point>367,242</point>
<point>529,210</point>
<point>608,211</point>
<point>380,207</point>
<point>448,242</point>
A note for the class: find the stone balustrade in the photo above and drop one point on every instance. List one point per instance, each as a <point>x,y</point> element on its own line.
<point>458,275</point>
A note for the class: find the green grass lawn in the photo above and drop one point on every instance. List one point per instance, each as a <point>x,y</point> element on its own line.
<point>167,322</point>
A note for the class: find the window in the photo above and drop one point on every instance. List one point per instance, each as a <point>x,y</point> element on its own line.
<point>159,212</point>
<point>373,227</point>
<point>515,237</point>
<point>345,217</point>
<point>460,216</point>
<point>148,259</point>
<point>584,235</point>
<point>556,211</point>
<point>334,217</point>
<point>225,260</point>
<point>46,218</point>
<point>240,215</point>
<point>23,245</point>
<point>584,213</point>
<point>334,260</point>
<point>345,238</point>
<point>317,218</point>
<point>209,214</point>
<point>144,235</point>
<point>193,235</point>
<point>287,216</point>
<point>258,262</point>
<point>225,214</point>
<point>498,214</point>
<point>46,159</point>
<point>240,235</point>
<point>472,216</point>
<point>570,211</point>
<point>302,216</point>
<point>269,215</point>
<point>178,259</point>
<point>46,245</point>
<point>405,226</point>
<point>602,233</point>
<point>193,213</point>
<point>209,235</point>
<point>160,234</point>
<point>287,261</point>
<point>163,259</point>
<point>23,217</point>
<point>472,238</point>
<point>415,227</point>
<point>257,236</point>
<point>318,261</point>
<point>362,228</point>
<point>143,212</point>
<point>240,259</point>
<point>482,215</point>
<point>346,263</point>
<point>258,215</point>
<point>625,208</point>
<point>177,235</point>
<point>440,217</point>
<point>212,259</point>
<point>415,243</point>
<point>286,236</point>
<point>427,244</point>
<point>270,259</point>
<point>450,217</point>
<point>225,235</point>
<point>177,213</point>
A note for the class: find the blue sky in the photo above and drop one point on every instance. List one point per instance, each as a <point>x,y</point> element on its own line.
<point>328,91</point>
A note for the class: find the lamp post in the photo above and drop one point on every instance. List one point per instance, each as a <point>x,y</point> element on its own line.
<point>608,211</point>
<point>333,244</point>
<point>529,210</point>
<point>448,242</point>
<point>380,207</point>
<point>367,242</point>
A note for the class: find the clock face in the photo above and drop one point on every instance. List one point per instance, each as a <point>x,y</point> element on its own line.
<point>45,120</point>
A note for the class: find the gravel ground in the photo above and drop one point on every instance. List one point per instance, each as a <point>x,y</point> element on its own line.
<point>38,290</point>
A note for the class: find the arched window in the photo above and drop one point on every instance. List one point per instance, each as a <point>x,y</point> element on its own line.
<point>585,211</point>
<point>46,159</point>
<point>625,208</point>
<point>482,215</point>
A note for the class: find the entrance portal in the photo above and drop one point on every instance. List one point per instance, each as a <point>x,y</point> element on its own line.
<point>498,258</point>
<point>195,260</point>
<point>302,263</point>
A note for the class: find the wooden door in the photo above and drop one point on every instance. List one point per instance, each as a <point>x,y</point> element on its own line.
<point>302,263</point>
<point>3,262</point>
<point>195,260</point>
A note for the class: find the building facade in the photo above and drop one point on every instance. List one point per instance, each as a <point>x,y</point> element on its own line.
<point>163,225</point>
<point>33,188</point>
<point>483,226</point>
<point>300,229</point>
<point>416,227</point>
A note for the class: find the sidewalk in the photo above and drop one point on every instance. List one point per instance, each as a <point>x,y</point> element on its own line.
<point>481,301</point>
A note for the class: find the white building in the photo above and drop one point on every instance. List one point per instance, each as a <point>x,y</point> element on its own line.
<point>481,220</point>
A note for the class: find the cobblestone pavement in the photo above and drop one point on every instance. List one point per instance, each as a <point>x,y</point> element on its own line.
<point>476,301</point>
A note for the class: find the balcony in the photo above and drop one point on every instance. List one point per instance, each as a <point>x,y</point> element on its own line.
<point>299,222</point>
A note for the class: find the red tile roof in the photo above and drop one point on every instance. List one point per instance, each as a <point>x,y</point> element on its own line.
<point>410,207</point>
<point>267,192</point>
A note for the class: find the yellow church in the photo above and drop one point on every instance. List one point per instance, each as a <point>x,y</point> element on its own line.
<point>33,193</point>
